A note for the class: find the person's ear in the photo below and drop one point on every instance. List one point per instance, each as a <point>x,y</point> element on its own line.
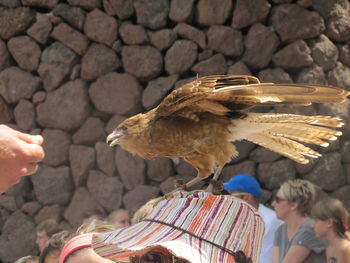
<point>330,222</point>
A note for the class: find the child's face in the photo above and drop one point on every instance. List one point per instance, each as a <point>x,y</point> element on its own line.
<point>321,227</point>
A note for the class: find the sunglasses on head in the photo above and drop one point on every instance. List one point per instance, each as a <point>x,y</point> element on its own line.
<point>157,257</point>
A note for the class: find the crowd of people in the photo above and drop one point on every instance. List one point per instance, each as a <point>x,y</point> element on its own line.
<point>196,226</point>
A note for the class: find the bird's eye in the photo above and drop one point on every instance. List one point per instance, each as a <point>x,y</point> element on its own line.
<point>124,128</point>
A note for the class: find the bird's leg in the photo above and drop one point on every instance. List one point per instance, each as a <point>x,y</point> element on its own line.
<point>193,182</point>
<point>216,175</point>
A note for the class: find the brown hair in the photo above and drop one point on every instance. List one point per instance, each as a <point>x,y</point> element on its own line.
<point>331,208</point>
<point>55,244</point>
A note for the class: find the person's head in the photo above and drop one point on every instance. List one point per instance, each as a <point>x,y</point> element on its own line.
<point>120,217</point>
<point>89,216</point>
<point>330,214</point>
<point>294,196</point>
<point>145,210</point>
<point>44,231</point>
<point>28,259</point>
<point>52,250</point>
<point>188,227</point>
<point>78,248</point>
<point>246,187</point>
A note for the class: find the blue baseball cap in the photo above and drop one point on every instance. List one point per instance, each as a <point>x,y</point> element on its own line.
<point>245,183</point>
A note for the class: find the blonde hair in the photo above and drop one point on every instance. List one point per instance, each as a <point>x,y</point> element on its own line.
<point>301,192</point>
<point>145,210</point>
<point>95,226</point>
<point>331,208</point>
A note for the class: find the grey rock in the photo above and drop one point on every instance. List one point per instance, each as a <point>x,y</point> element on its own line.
<point>294,56</point>
<point>303,169</point>
<point>81,203</point>
<point>86,4</point>
<point>100,27</point>
<point>181,10</point>
<point>52,185</point>
<point>49,212</point>
<point>339,76</point>
<point>343,194</point>
<point>90,132</point>
<point>328,172</point>
<point>16,84</point>
<point>82,159</point>
<point>162,39</point>
<point>31,208</point>
<point>324,53</point>
<point>313,74</point>
<point>122,8</point>
<point>75,16</point>
<point>243,148</point>
<point>239,68</point>
<point>191,33</point>
<point>293,22</point>
<point>144,62</point>
<point>98,61</point>
<point>273,174</point>
<point>263,155</point>
<point>324,7</point>
<point>39,97</point>
<point>207,53</point>
<point>4,56</point>
<point>10,3</point>
<point>180,57</point>
<point>135,198</point>
<point>338,24</point>
<point>8,202</point>
<point>107,191</point>
<point>15,20</point>
<point>345,151</point>
<point>167,185</point>
<point>159,169</point>
<point>49,4</point>
<point>25,51</point>
<point>71,38</point>
<point>225,40</point>
<point>131,168</point>
<point>245,167</point>
<point>344,53</point>
<point>275,75</point>
<point>56,64</point>
<point>212,66</point>
<point>17,238</point>
<point>116,93</point>
<point>156,90</point>
<point>152,13</point>
<point>59,111</point>
<point>212,12</point>
<point>105,158</point>
<point>56,146</point>
<point>5,112</point>
<point>41,29</point>
<point>248,12</point>
<point>133,34</point>
<point>184,168</point>
<point>258,36</point>
<point>25,115</point>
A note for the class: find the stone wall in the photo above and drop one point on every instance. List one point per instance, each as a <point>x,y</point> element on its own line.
<point>72,70</point>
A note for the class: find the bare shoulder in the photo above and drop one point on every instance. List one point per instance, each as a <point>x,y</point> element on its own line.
<point>344,252</point>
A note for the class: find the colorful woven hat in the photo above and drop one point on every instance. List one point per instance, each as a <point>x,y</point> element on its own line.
<point>196,226</point>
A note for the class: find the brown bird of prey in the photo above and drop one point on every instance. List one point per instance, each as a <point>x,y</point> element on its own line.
<point>198,122</point>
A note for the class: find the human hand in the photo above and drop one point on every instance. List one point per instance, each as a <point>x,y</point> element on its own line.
<point>19,155</point>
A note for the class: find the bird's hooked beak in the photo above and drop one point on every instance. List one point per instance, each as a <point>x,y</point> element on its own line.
<point>115,137</point>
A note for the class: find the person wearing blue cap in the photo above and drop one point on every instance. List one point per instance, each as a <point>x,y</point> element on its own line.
<point>247,188</point>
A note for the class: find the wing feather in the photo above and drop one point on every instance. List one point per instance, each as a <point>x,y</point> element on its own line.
<point>220,94</point>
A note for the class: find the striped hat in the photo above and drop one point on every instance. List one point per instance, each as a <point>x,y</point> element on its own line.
<point>196,226</point>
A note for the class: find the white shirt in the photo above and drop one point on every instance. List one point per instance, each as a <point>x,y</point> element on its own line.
<point>271,224</point>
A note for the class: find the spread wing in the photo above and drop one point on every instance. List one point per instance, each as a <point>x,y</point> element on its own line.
<point>220,94</point>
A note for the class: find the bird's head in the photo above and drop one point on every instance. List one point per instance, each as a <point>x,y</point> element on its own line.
<point>126,129</point>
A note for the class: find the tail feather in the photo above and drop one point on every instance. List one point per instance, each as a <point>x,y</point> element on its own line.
<point>283,133</point>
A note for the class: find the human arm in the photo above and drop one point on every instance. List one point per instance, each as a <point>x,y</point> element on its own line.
<point>19,155</point>
<point>275,254</point>
<point>296,254</point>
